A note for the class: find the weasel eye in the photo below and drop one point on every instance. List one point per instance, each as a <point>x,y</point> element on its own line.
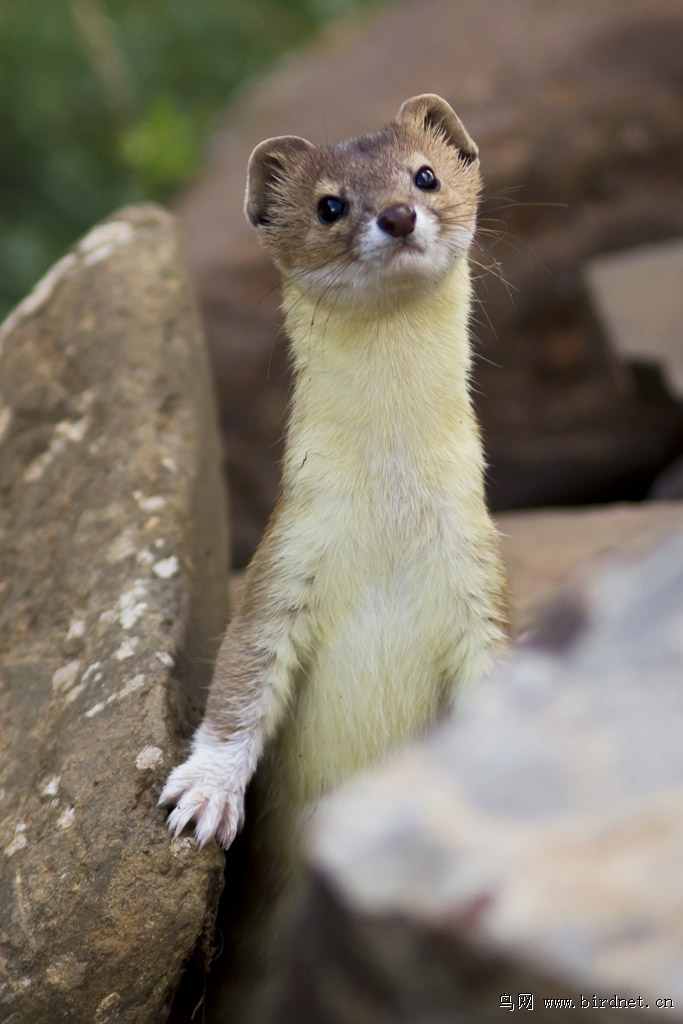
<point>426,179</point>
<point>330,209</point>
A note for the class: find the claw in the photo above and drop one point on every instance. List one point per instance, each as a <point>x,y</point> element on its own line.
<point>209,790</point>
<point>178,818</point>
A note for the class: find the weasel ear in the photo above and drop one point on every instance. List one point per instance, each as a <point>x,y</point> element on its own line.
<point>267,164</point>
<point>429,111</point>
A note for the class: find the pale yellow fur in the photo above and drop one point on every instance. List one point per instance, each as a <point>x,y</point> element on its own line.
<point>377,595</point>
<point>385,519</point>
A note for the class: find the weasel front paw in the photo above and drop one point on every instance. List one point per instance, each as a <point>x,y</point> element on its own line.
<point>209,788</point>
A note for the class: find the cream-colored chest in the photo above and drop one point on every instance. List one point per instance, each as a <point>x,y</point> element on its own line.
<point>384,519</point>
<point>391,560</point>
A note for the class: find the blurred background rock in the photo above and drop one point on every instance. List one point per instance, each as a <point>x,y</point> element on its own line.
<point>577,109</point>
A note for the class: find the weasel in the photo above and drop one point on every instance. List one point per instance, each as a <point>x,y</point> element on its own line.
<point>377,595</point>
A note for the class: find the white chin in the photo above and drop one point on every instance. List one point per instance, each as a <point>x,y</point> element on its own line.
<point>409,259</point>
<point>365,282</point>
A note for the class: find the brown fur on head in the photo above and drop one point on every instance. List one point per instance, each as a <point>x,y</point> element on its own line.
<point>391,233</point>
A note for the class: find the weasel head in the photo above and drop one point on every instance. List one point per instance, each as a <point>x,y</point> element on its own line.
<point>378,216</point>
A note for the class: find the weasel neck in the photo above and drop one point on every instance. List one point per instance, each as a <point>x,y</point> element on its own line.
<point>395,375</point>
<point>429,322</point>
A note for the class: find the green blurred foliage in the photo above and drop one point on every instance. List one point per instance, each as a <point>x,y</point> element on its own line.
<point>105,102</point>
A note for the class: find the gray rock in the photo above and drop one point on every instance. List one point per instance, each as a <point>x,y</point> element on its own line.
<point>545,549</point>
<point>113,591</point>
<point>532,846</point>
<point>638,294</point>
<point>669,485</point>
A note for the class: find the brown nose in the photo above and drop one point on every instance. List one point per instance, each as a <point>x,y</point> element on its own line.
<point>398,220</point>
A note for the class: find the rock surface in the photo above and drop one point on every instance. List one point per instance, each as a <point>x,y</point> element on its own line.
<point>531,847</point>
<point>638,294</point>
<point>577,111</point>
<point>545,549</point>
<point>112,595</point>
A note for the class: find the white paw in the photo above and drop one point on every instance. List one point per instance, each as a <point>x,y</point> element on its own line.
<point>209,787</point>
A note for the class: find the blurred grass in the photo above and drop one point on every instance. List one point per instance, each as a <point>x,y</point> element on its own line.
<point>105,103</point>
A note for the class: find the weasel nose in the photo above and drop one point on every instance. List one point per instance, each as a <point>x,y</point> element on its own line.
<point>398,220</point>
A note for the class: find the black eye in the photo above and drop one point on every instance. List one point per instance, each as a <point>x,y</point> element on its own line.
<point>426,179</point>
<point>330,209</point>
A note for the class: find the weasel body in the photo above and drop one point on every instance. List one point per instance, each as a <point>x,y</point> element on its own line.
<point>377,594</point>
